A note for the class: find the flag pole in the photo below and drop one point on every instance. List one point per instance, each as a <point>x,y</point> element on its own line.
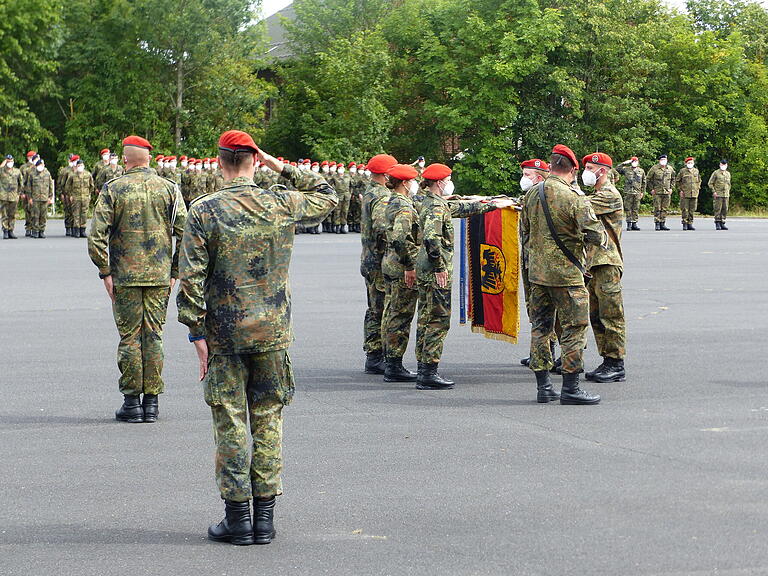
<point>463,273</point>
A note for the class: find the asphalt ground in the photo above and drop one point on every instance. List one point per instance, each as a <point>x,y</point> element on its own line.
<point>667,476</point>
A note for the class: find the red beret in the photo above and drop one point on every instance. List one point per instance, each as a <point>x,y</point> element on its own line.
<point>137,141</point>
<point>535,164</point>
<point>634,159</point>
<point>159,157</point>
<point>294,164</point>
<point>104,151</point>
<point>340,164</point>
<point>182,158</point>
<point>689,159</point>
<point>315,164</point>
<point>599,158</point>
<point>74,158</point>
<point>324,163</point>
<point>332,164</point>
<point>281,158</point>
<point>567,152</point>
<point>351,164</point>
<point>191,160</point>
<point>380,163</point>
<point>31,153</point>
<point>234,140</point>
<point>307,161</point>
<point>402,172</point>
<point>198,161</point>
<point>436,172</point>
<point>170,158</point>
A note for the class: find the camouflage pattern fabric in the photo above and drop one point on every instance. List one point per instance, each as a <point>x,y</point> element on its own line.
<point>634,190</point>
<point>134,222</point>
<point>373,240</point>
<point>79,187</point>
<point>606,311</point>
<point>106,174</point>
<point>342,185</point>
<point>433,323</point>
<point>215,182</point>
<point>661,179</point>
<point>235,257</point>
<point>11,183</point>
<point>66,204</point>
<point>720,183</point>
<point>661,204</point>
<point>607,205</point>
<point>397,317</point>
<point>39,188</point>
<point>248,387</point>
<point>575,223</point>
<point>570,305</point>
<point>688,209</point>
<point>720,205</point>
<point>140,313</point>
<point>688,182</point>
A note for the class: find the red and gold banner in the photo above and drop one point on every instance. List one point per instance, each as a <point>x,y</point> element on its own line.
<point>494,274</point>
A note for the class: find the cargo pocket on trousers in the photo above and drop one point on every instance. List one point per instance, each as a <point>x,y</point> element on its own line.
<point>288,386</point>
<point>212,384</point>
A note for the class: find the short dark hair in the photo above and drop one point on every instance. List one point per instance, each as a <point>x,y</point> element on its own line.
<point>560,163</point>
<point>234,159</point>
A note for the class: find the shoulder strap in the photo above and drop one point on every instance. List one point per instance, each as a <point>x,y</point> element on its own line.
<point>563,248</point>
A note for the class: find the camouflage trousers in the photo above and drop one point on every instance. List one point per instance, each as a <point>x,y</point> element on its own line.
<point>249,391</point>
<point>688,209</point>
<point>353,216</point>
<point>38,217</point>
<point>66,206</point>
<point>720,206</point>
<point>555,336</point>
<point>570,305</point>
<point>661,206</point>
<point>8,213</point>
<point>339,214</point>
<point>372,342</point>
<point>139,313</point>
<point>606,311</point>
<point>399,309</point>
<point>79,211</point>
<point>632,207</point>
<point>434,321</point>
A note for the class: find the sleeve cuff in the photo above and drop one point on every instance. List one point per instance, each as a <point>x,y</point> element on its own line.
<point>195,338</point>
<point>103,275</point>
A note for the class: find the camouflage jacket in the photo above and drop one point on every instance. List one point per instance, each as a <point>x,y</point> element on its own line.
<point>634,179</point>
<point>108,173</point>
<point>11,184</point>
<point>402,232</point>
<point>186,184</point>
<point>374,240</point>
<point>609,209</point>
<point>436,224</point>
<point>688,182</point>
<point>61,177</point>
<point>575,223</point>
<point>343,185</point>
<point>720,183</point>
<point>661,179</point>
<point>98,168</point>
<point>134,221</point>
<point>39,186</point>
<point>79,184</point>
<point>214,182</point>
<point>235,258</point>
<point>25,170</point>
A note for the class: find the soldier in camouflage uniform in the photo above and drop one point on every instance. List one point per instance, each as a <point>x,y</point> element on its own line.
<point>720,184</point>
<point>661,179</point>
<point>374,241</point>
<point>187,178</point>
<point>401,224</point>
<point>235,299</point>
<point>101,164</point>
<point>26,170</point>
<point>343,190</point>
<point>113,170</point>
<point>434,269</point>
<point>39,192</point>
<point>131,243</point>
<point>79,188</point>
<point>634,189</point>
<point>11,184</point>
<point>61,179</point>
<point>688,182</point>
<point>606,306</point>
<point>557,284</point>
<point>198,180</point>
<point>355,190</point>
<point>215,181</point>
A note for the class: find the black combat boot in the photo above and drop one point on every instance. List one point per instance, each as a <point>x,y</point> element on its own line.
<point>394,371</point>
<point>33,234</point>
<point>629,225</point>
<point>343,229</point>
<point>613,371</point>
<point>374,363</point>
<point>591,375</point>
<point>717,225</point>
<point>150,405</point>
<point>722,227</point>
<point>690,227</point>
<point>325,227</point>
<point>526,361</point>
<point>429,379</point>
<point>131,410</point>
<point>236,528</point>
<point>263,520</point>
<point>75,233</point>
<point>544,391</point>
<point>11,235</point>
<point>5,234</point>
<point>685,226</point>
<point>635,226</point>
<point>41,234</point>
<point>28,233</point>
<point>658,225</point>
<point>572,394</point>
<point>663,226</point>
<point>68,232</point>
<point>82,233</point>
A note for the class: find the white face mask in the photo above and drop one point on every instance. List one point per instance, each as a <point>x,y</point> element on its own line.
<point>353,170</point>
<point>325,169</point>
<point>72,164</point>
<point>40,168</point>
<point>589,178</point>
<point>207,166</point>
<point>184,164</point>
<point>367,172</point>
<point>265,168</point>
<point>214,166</point>
<point>113,161</point>
<point>689,164</point>
<point>635,164</point>
<point>413,187</point>
<point>9,164</point>
<point>315,168</point>
<point>340,171</point>
<point>722,166</point>
<point>333,169</point>
<point>81,168</point>
<point>105,157</point>
<point>421,164</point>
<point>448,188</point>
<point>173,163</point>
<point>663,161</point>
<point>526,183</point>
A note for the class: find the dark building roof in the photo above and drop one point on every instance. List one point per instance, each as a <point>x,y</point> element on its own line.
<point>278,47</point>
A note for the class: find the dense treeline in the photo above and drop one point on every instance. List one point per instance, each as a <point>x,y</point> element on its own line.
<point>489,81</point>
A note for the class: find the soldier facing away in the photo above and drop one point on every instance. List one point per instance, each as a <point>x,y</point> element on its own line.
<point>235,300</point>
<point>720,184</point>
<point>131,243</point>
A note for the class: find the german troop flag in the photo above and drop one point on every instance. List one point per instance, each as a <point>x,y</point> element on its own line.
<point>494,274</point>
